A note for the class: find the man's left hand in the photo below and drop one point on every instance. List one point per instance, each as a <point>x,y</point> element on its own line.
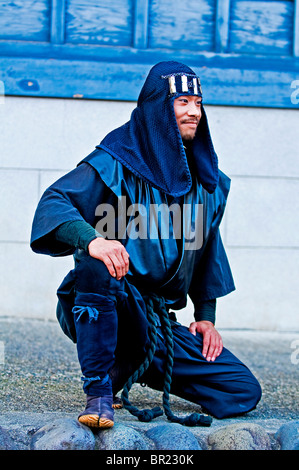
<point>212,341</point>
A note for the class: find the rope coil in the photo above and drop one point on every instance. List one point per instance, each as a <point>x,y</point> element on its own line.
<point>146,415</point>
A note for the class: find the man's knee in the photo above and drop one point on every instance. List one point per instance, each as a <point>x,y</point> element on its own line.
<point>244,397</point>
<point>92,275</point>
<point>255,391</point>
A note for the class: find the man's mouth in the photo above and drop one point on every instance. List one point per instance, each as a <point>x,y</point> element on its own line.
<point>191,123</point>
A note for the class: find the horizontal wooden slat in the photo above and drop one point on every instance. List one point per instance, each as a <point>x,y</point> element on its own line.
<point>261,26</point>
<point>222,84</point>
<point>116,54</point>
<point>27,20</point>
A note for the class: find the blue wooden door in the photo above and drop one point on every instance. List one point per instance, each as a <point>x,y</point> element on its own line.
<point>246,51</point>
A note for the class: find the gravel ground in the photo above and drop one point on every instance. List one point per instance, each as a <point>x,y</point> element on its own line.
<point>40,372</point>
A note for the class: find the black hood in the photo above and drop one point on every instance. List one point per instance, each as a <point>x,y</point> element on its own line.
<point>150,144</point>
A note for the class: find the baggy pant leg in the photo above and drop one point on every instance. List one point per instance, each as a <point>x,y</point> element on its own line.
<point>95,316</point>
<point>225,387</point>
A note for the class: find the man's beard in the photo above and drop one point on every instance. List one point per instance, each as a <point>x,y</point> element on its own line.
<point>188,137</point>
<point>188,134</point>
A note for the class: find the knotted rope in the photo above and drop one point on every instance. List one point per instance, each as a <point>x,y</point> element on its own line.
<point>146,415</point>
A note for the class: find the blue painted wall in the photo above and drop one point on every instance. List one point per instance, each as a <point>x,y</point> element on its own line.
<point>245,51</point>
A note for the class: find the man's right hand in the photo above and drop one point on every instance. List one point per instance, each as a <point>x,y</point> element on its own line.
<point>112,253</point>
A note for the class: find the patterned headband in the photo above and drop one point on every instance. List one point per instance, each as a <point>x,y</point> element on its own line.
<point>184,83</point>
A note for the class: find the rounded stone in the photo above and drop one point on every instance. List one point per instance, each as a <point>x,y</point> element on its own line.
<point>6,443</point>
<point>240,436</point>
<point>120,437</point>
<point>288,436</point>
<point>173,437</point>
<point>64,434</point>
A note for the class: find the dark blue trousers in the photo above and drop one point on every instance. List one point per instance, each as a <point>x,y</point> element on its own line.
<point>96,323</point>
<point>225,387</point>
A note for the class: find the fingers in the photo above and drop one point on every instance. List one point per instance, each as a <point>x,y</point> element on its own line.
<point>120,264</point>
<point>109,265</point>
<point>192,328</point>
<point>125,257</point>
<point>212,345</point>
<point>206,343</point>
<point>113,254</point>
<point>212,341</point>
<point>220,347</point>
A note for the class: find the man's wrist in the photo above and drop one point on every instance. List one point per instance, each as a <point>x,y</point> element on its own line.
<point>206,311</point>
<point>78,234</point>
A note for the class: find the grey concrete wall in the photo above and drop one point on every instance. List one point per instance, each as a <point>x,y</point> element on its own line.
<point>41,139</point>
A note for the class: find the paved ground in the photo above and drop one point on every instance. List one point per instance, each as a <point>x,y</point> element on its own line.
<point>40,374</point>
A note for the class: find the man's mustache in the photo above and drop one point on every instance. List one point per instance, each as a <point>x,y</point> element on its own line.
<point>190,121</point>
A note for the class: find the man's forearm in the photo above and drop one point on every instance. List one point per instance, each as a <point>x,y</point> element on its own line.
<point>206,311</point>
<point>76,233</point>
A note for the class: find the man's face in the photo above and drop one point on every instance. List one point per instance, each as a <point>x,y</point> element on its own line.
<point>187,111</point>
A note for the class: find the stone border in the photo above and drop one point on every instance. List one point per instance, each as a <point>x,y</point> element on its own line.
<point>66,433</point>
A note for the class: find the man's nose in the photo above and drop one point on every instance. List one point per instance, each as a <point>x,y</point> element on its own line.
<point>194,110</point>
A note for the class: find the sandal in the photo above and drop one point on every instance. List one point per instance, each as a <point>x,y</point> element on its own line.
<point>98,412</point>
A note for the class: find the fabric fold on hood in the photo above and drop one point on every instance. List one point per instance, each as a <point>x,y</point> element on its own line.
<point>150,144</point>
